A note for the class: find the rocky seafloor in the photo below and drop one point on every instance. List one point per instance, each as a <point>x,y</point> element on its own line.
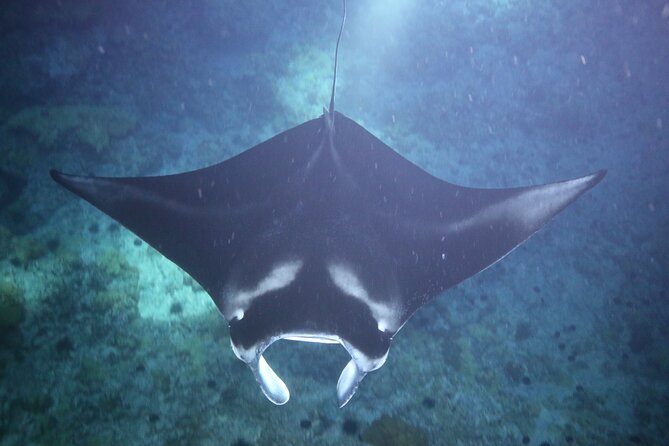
<point>104,341</point>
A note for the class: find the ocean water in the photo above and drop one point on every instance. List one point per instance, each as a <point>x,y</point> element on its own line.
<point>104,341</point>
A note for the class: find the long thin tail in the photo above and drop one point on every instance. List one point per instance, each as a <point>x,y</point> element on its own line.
<point>334,77</point>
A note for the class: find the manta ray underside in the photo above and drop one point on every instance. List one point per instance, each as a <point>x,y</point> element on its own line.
<point>323,233</point>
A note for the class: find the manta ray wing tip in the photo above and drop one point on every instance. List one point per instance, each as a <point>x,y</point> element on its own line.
<point>56,175</point>
<point>599,175</point>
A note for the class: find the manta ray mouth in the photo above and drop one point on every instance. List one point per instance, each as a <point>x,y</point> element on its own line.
<point>316,339</point>
<point>276,390</point>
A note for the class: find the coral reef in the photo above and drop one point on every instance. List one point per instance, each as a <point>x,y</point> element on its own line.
<point>12,308</point>
<point>304,90</point>
<point>92,126</point>
<point>561,344</point>
<point>6,238</point>
<point>26,250</point>
<point>393,430</point>
<point>113,303</point>
<point>117,296</point>
<point>11,186</point>
<point>113,263</point>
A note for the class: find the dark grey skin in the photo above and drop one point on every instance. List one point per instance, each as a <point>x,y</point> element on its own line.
<point>323,233</point>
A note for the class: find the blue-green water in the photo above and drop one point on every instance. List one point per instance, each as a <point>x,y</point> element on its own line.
<point>103,341</point>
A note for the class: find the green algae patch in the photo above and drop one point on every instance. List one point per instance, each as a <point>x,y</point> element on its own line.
<point>393,430</point>
<point>118,296</point>
<point>113,263</point>
<point>92,126</point>
<point>117,303</point>
<point>12,308</point>
<point>27,250</point>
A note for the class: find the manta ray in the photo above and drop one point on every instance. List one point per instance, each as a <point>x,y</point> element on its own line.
<point>323,233</point>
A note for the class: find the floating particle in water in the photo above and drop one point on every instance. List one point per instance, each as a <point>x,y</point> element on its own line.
<point>526,380</point>
<point>305,423</point>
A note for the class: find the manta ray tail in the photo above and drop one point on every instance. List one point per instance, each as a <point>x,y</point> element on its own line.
<point>334,76</point>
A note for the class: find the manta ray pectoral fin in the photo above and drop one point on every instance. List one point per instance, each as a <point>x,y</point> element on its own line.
<point>271,385</point>
<point>348,382</point>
